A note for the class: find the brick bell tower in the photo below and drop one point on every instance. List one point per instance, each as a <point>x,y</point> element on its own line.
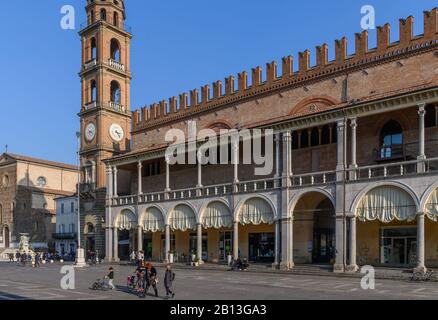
<point>105,114</point>
<point>106,79</point>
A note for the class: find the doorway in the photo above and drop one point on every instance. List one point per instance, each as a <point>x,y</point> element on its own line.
<point>262,247</point>
<point>194,245</point>
<point>7,240</point>
<point>147,246</point>
<point>398,246</point>
<point>225,245</point>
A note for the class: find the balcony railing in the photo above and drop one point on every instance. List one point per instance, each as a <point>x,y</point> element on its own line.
<point>64,236</point>
<point>392,170</point>
<point>87,188</point>
<point>314,178</point>
<point>382,171</point>
<point>90,64</point>
<point>116,106</point>
<point>90,106</point>
<point>116,65</point>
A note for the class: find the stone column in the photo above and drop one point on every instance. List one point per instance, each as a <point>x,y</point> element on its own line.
<point>108,244</point>
<point>167,175</point>
<point>199,170</point>
<point>287,248</point>
<point>339,266</point>
<point>277,243</point>
<point>140,238</point>
<point>287,162</point>
<point>167,245</point>
<point>236,241</point>
<point>277,155</point>
<point>340,151</point>
<point>115,181</point>
<point>109,182</point>
<point>353,166</point>
<point>421,263</point>
<point>236,162</point>
<point>199,243</point>
<point>116,245</point>
<point>353,264</point>
<point>140,182</point>
<point>421,137</point>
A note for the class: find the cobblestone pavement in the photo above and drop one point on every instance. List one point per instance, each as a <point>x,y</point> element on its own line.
<point>24,283</point>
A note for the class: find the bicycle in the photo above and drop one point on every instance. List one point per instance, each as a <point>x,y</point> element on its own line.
<point>423,276</point>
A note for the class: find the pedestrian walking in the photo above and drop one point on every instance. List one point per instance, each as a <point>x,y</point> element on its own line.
<point>17,257</point>
<point>169,277</point>
<point>37,260</point>
<point>111,279</point>
<point>151,279</point>
<point>133,256</point>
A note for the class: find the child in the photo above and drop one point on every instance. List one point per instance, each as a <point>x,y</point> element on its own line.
<point>111,279</point>
<point>169,277</point>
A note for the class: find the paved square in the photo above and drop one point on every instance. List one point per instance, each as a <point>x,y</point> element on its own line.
<point>24,283</point>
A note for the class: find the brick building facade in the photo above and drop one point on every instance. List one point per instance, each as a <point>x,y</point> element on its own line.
<point>28,190</point>
<point>354,179</point>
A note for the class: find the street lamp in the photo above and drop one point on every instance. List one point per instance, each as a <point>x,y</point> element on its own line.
<point>80,255</point>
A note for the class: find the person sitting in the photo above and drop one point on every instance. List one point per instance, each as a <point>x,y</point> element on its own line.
<point>245,265</point>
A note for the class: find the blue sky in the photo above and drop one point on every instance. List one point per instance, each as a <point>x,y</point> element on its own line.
<point>177,46</point>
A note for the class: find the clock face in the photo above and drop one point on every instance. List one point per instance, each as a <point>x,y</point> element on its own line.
<point>90,132</point>
<point>116,132</point>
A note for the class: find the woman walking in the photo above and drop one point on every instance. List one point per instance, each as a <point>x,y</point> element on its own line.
<point>169,277</point>
<point>151,279</point>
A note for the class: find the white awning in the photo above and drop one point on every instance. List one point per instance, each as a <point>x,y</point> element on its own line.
<point>153,220</point>
<point>126,220</point>
<point>256,211</point>
<point>182,218</point>
<point>432,206</point>
<point>387,204</point>
<point>217,215</point>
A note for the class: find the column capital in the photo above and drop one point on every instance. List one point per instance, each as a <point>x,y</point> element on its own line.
<point>115,168</point>
<point>340,124</point>
<point>139,164</point>
<point>287,135</point>
<point>421,106</point>
<point>353,123</point>
<point>421,214</point>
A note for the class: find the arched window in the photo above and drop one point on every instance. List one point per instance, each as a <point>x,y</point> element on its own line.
<point>294,140</point>
<point>103,14</point>
<point>93,47</point>
<point>115,92</point>
<point>93,91</point>
<point>116,19</point>
<point>304,139</point>
<point>391,139</point>
<point>314,137</point>
<point>430,120</point>
<point>325,139</point>
<point>115,50</point>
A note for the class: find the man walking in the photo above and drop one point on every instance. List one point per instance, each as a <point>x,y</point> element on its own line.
<point>169,277</point>
<point>151,279</point>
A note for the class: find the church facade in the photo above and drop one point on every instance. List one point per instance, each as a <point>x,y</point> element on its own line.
<point>355,166</point>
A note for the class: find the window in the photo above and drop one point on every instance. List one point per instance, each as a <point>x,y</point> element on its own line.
<point>72,207</point>
<point>391,139</point>
<point>325,139</point>
<point>115,92</point>
<point>115,50</point>
<point>103,14</point>
<point>314,137</point>
<point>153,169</point>
<point>116,19</point>
<point>62,208</point>
<point>41,182</point>
<point>304,139</point>
<point>430,120</point>
<point>93,91</point>
<point>93,48</point>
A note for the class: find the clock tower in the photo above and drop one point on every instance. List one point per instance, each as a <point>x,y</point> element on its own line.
<point>105,76</point>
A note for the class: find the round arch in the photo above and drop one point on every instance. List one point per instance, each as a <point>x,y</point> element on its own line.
<point>217,219</point>
<point>397,195</point>
<point>152,219</point>
<point>244,201</point>
<point>429,202</point>
<point>299,195</point>
<point>182,217</point>
<point>126,220</point>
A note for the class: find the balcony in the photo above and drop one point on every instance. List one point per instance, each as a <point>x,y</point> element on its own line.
<point>64,236</point>
<point>116,106</point>
<point>116,65</point>
<point>90,106</point>
<point>375,172</point>
<point>90,64</point>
